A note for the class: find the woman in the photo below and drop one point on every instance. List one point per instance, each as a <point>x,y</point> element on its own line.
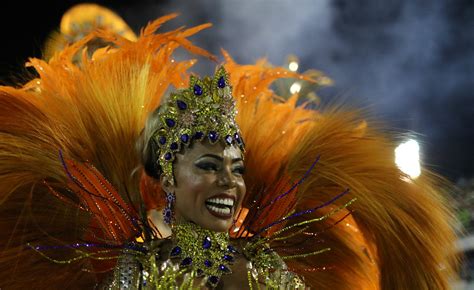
<point>196,154</point>
<point>322,197</point>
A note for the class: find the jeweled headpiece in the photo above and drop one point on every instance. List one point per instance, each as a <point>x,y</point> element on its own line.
<point>206,109</point>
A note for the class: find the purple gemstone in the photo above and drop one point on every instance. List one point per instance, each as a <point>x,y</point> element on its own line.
<point>213,136</point>
<point>174,146</point>
<point>224,268</point>
<point>228,139</point>
<point>206,243</point>
<point>175,251</point>
<point>170,197</point>
<point>231,249</point>
<point>186,261</point>
<point>208,263</point>
<point>213,280</point>
<point>185,138</point>
<point>170,122</point>
<point>237,138</point>
<point>168,156</point>
<point>167,214</point>
<point>162,140</point>
<point>181,105</point>
<point>228,258</point>
<point>197,90</point>
<point>198,135</point>
<point>221,82</point>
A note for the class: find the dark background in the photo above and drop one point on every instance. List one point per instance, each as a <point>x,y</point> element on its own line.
<point>411,63</point>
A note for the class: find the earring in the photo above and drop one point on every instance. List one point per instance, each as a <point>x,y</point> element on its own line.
<point>168,214</point>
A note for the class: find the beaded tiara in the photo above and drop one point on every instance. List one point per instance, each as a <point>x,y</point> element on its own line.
<point>204,110</point>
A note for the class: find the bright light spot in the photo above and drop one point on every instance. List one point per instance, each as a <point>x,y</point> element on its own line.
<point>295,88</point>
<point>293,66</point>
<point>407,158</point>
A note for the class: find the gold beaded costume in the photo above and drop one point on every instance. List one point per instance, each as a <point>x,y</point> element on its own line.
<point>326,207</point>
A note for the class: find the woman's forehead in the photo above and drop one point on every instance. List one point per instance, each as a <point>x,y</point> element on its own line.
<point>201,149</point>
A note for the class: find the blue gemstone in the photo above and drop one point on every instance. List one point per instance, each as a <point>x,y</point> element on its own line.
<point>237,138</point>
<point>224,268</point>
<point>167,215</point>
<point>185,138</point>
<point>181,105</point>
<point>208,263</point>
<point>186,261</point>
<point>174,146</point>
<point>175,251</point>
<point>228,139</point>
<point>168,156</point>
<point>170,122</point>
<point>228,258</point>
<point>231,249</point>
<point>206,243</point>
<point>221,82</point>
<point>197,90</point>
<point>170,197</point>
<point>213,280</point>
<point>213,136</point>
<point>198,135</point>
<point>162,140</point>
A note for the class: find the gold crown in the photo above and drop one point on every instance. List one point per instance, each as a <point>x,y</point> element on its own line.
<point>206,109</point>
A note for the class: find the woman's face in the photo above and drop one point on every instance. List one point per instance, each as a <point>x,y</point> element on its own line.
<point>209,185</point>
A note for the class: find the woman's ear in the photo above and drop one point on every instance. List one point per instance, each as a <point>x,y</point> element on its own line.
<point>166,183</point>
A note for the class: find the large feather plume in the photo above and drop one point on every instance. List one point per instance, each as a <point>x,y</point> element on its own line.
<point>398,234</point>
<point>93,111</point>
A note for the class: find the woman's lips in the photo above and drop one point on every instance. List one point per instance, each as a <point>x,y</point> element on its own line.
<point>221,206</point>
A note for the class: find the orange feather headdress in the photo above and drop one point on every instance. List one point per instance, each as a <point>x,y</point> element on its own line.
<point>93,112</point>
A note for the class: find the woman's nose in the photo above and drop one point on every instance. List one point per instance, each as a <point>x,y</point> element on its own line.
<point>226,178</point>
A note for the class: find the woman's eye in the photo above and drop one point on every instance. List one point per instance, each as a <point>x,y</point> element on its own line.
<point>208,166</point>
<point>239,170</point>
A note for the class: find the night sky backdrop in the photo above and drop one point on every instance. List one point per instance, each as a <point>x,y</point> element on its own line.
<point>410,62</point>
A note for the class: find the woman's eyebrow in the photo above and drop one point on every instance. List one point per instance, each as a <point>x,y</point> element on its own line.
<point>238,159</point>
<point>212,156</point>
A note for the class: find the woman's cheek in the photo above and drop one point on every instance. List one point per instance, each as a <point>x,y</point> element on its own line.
<point>198,186</point>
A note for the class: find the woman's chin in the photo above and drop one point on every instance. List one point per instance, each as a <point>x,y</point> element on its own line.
<point>217,226</point>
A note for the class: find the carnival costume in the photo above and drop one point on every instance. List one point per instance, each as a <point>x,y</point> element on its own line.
<point>326,207</point>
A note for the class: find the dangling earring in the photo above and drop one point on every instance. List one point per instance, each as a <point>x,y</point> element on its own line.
<point>168,214</point>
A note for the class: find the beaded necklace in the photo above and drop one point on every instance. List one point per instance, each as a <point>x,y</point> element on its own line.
<point>203,252</point>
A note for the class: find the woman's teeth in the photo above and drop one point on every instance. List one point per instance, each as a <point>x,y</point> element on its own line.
<point>224,210</point>
<point>222,201</point>
<point>220,205</point>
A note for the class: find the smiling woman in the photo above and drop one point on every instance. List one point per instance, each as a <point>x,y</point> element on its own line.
<point>198,163</point>
<point>193,150</point>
